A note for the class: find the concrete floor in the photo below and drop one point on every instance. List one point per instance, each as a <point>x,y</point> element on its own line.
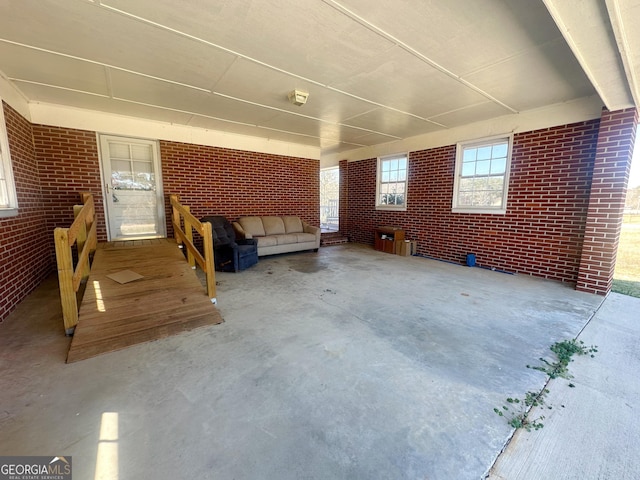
<point>594,430</point>
<point>346,364</point>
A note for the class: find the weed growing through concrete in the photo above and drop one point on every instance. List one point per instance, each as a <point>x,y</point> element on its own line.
<point>518,410</point>
<point>564,351</point>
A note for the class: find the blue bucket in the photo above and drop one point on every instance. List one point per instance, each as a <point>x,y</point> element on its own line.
<point>471,260</point>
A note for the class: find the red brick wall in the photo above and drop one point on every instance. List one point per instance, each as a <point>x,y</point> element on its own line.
<point>210,180</point>
<point>68,165</point>
<point>222,181</point>
<point>542,231</point>
<point>24,254</point>
<point>616,140</point>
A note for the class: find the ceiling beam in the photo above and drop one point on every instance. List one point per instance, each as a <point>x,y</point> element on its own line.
<point>621,12</point>
<point>586,27</point>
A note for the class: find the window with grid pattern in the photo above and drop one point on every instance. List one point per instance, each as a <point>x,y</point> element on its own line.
<point>482,176</point>
<point>392,182</point>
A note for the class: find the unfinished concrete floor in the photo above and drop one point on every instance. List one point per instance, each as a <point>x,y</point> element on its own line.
<point>347,363</point>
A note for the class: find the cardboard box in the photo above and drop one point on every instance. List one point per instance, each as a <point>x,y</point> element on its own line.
<point>406,248</point>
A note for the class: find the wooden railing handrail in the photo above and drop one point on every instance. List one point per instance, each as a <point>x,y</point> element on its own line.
<point>83,217</point>
<point>83,266</point>
<point>182,215</point>
<point>82,233</point>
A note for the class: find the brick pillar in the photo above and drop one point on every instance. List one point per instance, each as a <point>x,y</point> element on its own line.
<point>343,195</point>
<point>614,151</point>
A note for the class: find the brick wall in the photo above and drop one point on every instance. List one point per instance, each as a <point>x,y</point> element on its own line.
<point>221,181</point>
<point>24,255</point>
<point>208,179</point>
<point>542,231</point>
<point>616,140</point>
<point>68,165</point>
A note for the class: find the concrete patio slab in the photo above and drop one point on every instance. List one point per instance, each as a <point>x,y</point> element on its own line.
<point>347,363</point>
<point>593,430</point>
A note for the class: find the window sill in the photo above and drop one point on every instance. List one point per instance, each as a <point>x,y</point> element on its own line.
<point>8,212</point>
<point>391,209</point>
<point>480,211</point>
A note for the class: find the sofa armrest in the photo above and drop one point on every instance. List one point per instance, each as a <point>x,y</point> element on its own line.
<point>311,229</point>
<point>240,233</point>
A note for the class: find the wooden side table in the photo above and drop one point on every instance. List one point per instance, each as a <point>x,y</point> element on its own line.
<point>388,239</point>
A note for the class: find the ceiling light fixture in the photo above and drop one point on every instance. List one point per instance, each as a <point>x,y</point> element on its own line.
<point>298,97</point>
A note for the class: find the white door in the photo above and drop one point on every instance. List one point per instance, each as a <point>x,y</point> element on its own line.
<point>134,203</point>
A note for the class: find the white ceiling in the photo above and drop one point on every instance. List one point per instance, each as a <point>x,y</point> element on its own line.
<point>375,71</point>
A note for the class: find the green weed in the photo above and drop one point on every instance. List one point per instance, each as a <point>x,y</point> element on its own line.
<point>518,411</point>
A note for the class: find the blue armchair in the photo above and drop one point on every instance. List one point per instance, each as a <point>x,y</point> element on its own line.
<point>230,255</point>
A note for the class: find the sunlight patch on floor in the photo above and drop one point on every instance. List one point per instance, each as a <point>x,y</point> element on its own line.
<point>107,458</point>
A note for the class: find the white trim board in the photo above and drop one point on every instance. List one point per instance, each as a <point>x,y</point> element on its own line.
<point>583,109</point>
<point>14,97</point>
<point>587,108</point>
<point>70,117</point>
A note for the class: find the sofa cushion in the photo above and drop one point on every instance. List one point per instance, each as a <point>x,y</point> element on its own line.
<point>273,225</point>
<point>293,224</point>
<point>267,241</point>
<point>252,225</point>
<point>287,238</point>
<point>305,237</point>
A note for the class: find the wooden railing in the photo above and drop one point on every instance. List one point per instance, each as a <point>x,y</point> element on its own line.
<point>183,225</point>
<point>81,233</point>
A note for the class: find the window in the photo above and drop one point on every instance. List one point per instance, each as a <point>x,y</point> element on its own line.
<point>392,182</point>
<point>482,176</point>
<point>8,199</point>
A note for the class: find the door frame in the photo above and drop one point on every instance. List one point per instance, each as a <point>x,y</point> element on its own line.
<point>104,186</point>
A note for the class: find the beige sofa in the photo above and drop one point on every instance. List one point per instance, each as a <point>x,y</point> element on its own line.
<point>278,234</point>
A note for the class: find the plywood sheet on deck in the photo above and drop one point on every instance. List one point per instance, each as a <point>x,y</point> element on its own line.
<point>168,300</point>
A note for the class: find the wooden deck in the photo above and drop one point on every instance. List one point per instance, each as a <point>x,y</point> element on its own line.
<point>168,300</point>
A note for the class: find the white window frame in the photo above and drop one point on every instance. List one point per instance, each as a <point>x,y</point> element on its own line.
<point>7,183</point>
<point>379,183</point>
<point>460,148</point>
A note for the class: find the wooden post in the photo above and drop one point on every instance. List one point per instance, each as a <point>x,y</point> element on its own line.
<point>188,230</point>
<point>65,279</point>
<point>208,260</point>
<point>175,217</point>
<point>81,240</point>
<point>85,196</point>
